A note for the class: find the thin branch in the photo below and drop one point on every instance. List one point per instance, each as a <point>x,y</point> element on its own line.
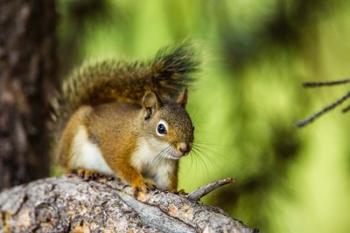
<point>346,109</point>
<point>205,189</point>
<point>326,83</point>
<point>326,109</point>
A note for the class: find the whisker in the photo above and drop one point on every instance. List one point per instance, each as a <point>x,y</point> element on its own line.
<point>156,157</point>
<point>193,156</point>
<point>170,153</point>
<point>159,157</point>
<point>203,161</point>
<point>210,162</point>
<point>165,154</point>
<point>210,152</point>
<point>199,155</point>
<point>213,146</point>
<point>206,148</point>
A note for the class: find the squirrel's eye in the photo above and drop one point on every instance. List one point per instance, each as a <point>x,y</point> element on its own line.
<point>161,129</point>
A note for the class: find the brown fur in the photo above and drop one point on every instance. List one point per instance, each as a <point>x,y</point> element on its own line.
<point>64,145</point>
<point>109,80</point>
<point>119,103</point>
<point>174,179</point>
<point>114,128</point>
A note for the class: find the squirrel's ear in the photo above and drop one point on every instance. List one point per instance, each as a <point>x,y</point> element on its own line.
<point>150,103</point>
<point>182,98</point>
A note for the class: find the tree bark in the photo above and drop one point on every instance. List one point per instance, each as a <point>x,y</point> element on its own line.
<point>71,204</point>
<point>27,71</point>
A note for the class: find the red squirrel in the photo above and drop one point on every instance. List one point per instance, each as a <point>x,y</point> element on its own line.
<point>128,119</point>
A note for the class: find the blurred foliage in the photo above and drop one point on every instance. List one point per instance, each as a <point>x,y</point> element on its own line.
<point>255,56</point>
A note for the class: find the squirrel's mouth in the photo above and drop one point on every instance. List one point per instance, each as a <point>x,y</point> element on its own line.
<point>173,153</point>
<point>178,153</point>
<point>183,148</point>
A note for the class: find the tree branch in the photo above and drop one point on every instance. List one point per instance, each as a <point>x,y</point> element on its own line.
<point>70,204</point>
<point>205,189</point>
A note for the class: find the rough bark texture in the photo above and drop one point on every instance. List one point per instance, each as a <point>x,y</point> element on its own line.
<point>27,69</point>
<point>70,204</point>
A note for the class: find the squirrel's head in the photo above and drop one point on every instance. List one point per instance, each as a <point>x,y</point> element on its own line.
<point>167,125</point>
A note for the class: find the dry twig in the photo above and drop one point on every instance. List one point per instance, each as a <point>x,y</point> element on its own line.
<point>329,107</point>
<point>324,110</point>
<point>205,189</point>
<point>326,83</point>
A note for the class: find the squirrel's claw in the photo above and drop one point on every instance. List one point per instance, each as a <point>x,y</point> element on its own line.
<point>140,193</point>
<point>86,174</point>
<point>150,185</point>
<point>141,188</point>
<point>181,192</point>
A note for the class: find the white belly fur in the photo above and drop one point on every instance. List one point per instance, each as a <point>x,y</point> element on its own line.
<point>87,154</point>
<point>144,160</point>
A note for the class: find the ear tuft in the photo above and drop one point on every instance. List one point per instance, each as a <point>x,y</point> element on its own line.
<point>151,103</point>
<point>182,98</point>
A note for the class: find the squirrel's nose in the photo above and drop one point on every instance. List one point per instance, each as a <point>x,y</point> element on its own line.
<point>183,147</point>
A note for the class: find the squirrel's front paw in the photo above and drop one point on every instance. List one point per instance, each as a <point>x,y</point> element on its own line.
<point>150,184</point>
<point>181,191</point>
<point>140,189</point>
<point>86,174</point>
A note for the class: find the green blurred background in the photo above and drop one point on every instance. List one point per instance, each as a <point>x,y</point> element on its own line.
<point>247,98</point>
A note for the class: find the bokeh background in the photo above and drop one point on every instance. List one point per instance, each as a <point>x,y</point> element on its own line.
<point>247,98</point>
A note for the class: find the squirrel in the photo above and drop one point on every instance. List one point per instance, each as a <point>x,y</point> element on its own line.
<point>128,119</point>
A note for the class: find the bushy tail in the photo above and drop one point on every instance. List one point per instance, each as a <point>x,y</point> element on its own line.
<point>166,74</point>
